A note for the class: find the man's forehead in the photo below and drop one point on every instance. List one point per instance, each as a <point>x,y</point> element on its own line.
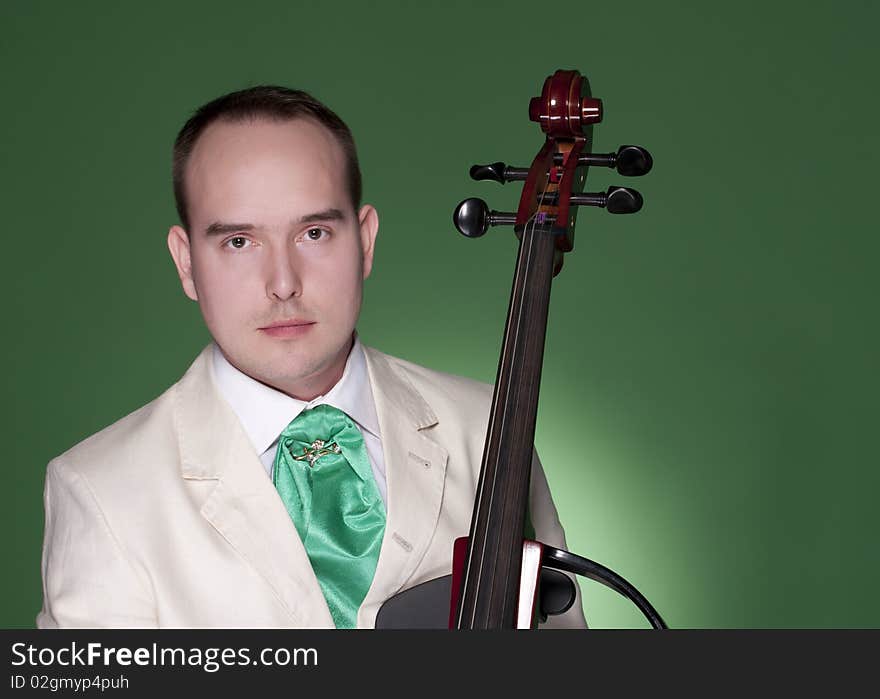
<point>300,136</point>
<point>260,166</point>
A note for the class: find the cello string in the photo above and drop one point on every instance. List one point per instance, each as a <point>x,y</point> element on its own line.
<point>524,260</point>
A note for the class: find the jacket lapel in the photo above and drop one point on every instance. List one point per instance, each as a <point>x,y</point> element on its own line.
<point>244,507</point>
<point>415,468</point>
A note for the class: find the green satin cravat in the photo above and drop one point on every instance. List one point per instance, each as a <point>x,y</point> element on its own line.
<point>334,503</point>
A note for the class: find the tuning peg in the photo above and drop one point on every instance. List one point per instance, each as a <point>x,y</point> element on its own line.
<point>498,172</point>
<point>633,161</point>
<point>615,200</point>
<point>622,200</point>
<point>473,218</point>
<point>630,161</point>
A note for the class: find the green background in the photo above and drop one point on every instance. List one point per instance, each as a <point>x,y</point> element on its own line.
<point>708,416</point>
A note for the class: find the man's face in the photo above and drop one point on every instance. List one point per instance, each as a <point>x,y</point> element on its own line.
<point>273,240</point>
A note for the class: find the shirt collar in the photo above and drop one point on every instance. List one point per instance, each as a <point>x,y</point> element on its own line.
<point>264,411</point>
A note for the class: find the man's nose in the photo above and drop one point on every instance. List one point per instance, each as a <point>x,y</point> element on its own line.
<point>283,279</point>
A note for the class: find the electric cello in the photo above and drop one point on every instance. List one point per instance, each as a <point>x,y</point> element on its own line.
<point>500,579</point>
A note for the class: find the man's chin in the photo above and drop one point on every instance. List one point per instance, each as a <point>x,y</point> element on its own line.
<point>299,375</point>
<point>293,366</point>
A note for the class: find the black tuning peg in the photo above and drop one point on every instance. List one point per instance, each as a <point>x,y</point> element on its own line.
<point>622,200</point>
<point>473,218</point>
<point>498,172</point>
<point>615,200</point>
<point>633,161</point>
<point>630,161</point>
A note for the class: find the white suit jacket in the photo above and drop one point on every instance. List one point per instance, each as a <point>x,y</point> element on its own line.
<point>167,519</point>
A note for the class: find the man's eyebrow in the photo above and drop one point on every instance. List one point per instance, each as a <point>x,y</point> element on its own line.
<point>326,215</point>
<point>217,228</point>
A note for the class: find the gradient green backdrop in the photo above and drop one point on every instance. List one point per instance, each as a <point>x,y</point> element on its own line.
<point>708,416</point>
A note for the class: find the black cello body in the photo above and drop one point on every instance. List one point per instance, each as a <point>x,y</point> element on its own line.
<point>500,579</point>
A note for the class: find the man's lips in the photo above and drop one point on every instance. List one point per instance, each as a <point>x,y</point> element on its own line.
<point>287,324</point>
<point>288,328</point>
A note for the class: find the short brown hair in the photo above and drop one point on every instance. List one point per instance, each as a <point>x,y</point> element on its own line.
<point>269,102</point>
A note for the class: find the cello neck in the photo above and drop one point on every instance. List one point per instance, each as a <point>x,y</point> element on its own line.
<point>491,577</point>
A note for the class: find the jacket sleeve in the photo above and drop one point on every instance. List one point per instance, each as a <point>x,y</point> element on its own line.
<point>548,530</point>
<point>88,580</point>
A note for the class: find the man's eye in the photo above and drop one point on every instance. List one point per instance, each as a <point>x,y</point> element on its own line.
<point>238,242</point>
<point>315,233</point>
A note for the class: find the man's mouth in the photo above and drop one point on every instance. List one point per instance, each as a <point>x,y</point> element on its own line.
<point>287,323</point>
<point>288,328</point>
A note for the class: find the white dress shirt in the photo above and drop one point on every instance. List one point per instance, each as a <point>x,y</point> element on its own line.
<point>264,412</point>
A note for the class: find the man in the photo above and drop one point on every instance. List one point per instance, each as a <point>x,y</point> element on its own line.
<point>222,502</point>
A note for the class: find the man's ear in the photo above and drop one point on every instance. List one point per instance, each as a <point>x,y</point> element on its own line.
<point>369,224</point>
<point>178,244</point>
